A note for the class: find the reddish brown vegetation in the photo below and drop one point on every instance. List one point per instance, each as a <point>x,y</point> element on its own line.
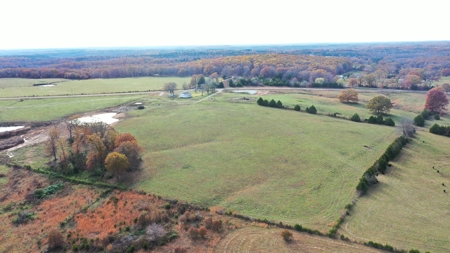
<point>436,101</point>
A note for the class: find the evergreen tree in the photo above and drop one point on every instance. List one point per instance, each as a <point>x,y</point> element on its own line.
<point>279,104</point>
<point>260,101</point>
<point>272,103</point>
<point>372,120</point>
<point>312,110</point>
<point>419,121</point>
<point>380,120</point>
<point>389,122</point>
<point>355,118</point>
<point>297,108</point>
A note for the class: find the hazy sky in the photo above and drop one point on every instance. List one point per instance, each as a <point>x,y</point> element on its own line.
<point>94,23</point>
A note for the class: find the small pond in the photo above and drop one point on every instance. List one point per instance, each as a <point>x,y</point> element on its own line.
<point>250,92</point>
<point>10,128</point>
<point>104,117</point>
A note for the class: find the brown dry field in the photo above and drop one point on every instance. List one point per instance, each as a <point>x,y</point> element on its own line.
<point>85,214</point>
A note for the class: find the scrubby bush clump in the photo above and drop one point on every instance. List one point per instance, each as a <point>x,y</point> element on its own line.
<point>55,239</point>
<point>287,235</point>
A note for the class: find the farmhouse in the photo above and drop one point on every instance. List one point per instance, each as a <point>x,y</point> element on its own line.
<point>185,94</point>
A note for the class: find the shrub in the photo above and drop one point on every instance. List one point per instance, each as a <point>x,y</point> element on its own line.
<point>216,225</point>
<point>389,122</point>
<point>380,120</point>
<point>179,249</point>
<point>419,121</point>
<point>143,219</point>
<point>202,231</point>
<point>182,219</point>
<point>414,251</point>
<point>131,249</point>
<point>297,107</point>
<point>425,114</point>
<point>141,107</point>
<point>355,118</point>
<point>287,235</point>
<point>193,233</point>
<point>436,117</point>
<point>208,222</point>
<point>279,104</point>
<point>55,239</point>
<point>39,193</point>
<point>311,110</point>
<point>372,120</point>
<point>272,103</point>
<point>260,101</point>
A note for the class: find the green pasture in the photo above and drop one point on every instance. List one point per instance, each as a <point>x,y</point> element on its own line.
<point>408,208</point>
<point>268,163</point>
<point>35,110</point>
<point>15,87</point>
<point>27,82</point>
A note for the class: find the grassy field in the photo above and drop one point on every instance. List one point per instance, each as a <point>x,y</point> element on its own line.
<point>406,105</point>
<point>256,239</point>
<point>408,208</point>
<point>50,109</point>
<point>27,82</point>
<point>11,87</point>
<point>263,162</point>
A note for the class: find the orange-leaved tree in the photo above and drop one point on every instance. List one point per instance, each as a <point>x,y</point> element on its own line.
<point>116,163</point>
<point>348,95</point>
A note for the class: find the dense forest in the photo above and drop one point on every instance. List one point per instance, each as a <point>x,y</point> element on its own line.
<point>390,65</point>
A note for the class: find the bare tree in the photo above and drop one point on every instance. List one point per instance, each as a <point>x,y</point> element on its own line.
<point>170,87</point>
<point>407,127</point>
<point>71,124</point>
<point>51,146</point>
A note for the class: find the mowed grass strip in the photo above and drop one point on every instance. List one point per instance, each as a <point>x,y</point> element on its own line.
<point>408,208</point>
<point>263,162</point>
<point>55,108</point>
<point>11,87</point>
<point>257,239</point>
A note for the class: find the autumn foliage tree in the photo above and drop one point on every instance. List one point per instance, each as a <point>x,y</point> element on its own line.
<point>51,146</point>
<point>55,239</point>
<point>436,101</point>
<point>132,151</point>
<point>116,163</point>
<point>379,104</point>
<point>348,95</point>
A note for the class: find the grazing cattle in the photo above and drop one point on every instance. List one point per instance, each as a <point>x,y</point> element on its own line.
<point>443,184</point>
<point>437,171</point>
<point>389,164</point>
<point>444,191</point>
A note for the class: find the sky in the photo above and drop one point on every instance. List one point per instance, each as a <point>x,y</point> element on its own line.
<point>32,24</point>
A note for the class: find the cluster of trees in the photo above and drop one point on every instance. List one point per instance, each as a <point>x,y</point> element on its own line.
<point>272,103</point>
<point>93,147</point>
<point>403,65</point>
<point>440,130</point>
<point>380,121</point>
